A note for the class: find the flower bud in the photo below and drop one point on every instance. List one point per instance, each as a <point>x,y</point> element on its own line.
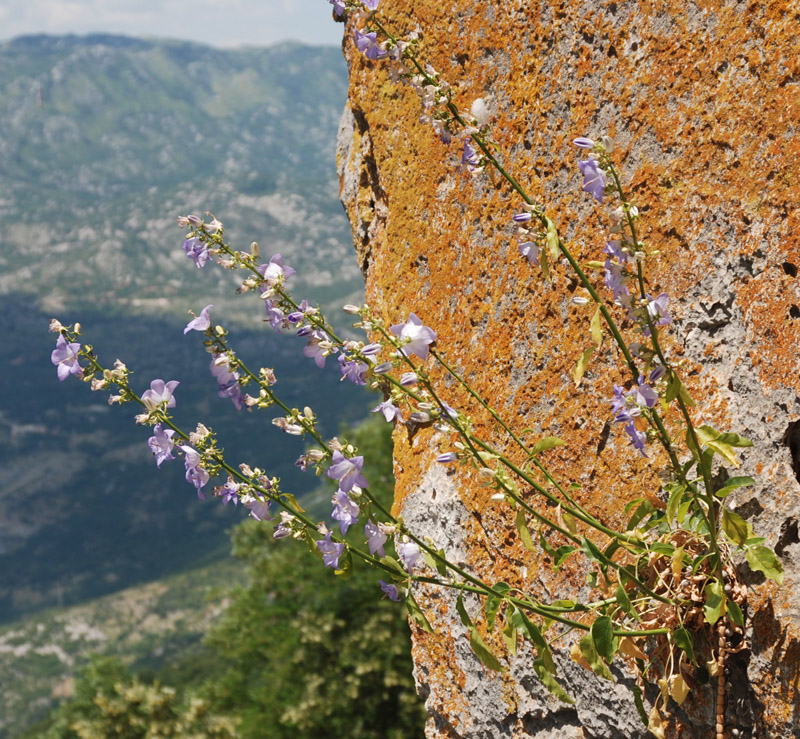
<point>351,309</point>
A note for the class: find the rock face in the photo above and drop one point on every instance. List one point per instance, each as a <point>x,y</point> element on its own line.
<point>702,103</point>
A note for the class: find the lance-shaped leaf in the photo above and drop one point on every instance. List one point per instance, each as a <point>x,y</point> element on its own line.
<point>602,633</point>
<point>549,442</point>
<point>764,560</point>
<point>524,531</point>
<point>735,613</point>
<point>722,444</point>
<point>345,568</point>
<point>733,484</point>
<point>582,365</point>
<point>595,661</point>
<point>552,239</point>
<point>550,682</point>
<point>530,631</point>
<point>675,389</point>
<point>483,652</point>
<point>683,640</point>
<point>596,329</point>
<point>417,616</point>
<point>735,527</point>
<point>462,611</point>
<point>715,602</point>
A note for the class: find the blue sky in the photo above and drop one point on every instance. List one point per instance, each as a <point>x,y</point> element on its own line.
<point>223,23</point>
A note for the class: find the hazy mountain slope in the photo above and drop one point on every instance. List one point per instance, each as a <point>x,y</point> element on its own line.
<point>105,140</point>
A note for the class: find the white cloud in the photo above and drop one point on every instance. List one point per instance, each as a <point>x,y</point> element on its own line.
<point>218,22</point>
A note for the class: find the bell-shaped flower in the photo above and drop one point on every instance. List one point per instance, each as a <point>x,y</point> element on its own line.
<point>65,358</point>
<point>347,472</point>
<point>160,392</point>
<point>161,444</point>
<point>201,322</point>
<point>331,551</point>
<point>415,337</point>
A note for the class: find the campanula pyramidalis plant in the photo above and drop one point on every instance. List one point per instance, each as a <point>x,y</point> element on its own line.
<point>664,578</point>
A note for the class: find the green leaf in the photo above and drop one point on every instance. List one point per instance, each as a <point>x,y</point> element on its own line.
<point>292,503</point>
<point>675,388</point>
<point>735,527</point>
<point>645,508</point>
<point>510,638</point>
<point>549,442</point>
<point>462,611</point>
<point>493,604</point>
<point>524,531</point>
<point>683,640</point>
<point>722,444</point>
<point>595,265</point>
<point>581,365</point>
<point>345,568</point>
<point>595,661</point>
<point>675,497</point>
<point>417,616</point>
<point>637,699</point>
<point>624,602</point>
<point>589,548</point>
<point>763,559</point>
<point>550,682</point>
<point>735,613</point>
<point>602,633</point>
<point>544,264</point>
<point>544,544</point>
<point>715,602</point>
<point>562,554</point>
<point>733,484</point>
<point>552,239</point>
<point>596,328</point>
<point>532,632</point>
<point>483,652</point>
<point>398,574</point>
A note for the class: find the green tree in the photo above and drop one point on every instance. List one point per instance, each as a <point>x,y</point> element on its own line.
<point>312,655</point>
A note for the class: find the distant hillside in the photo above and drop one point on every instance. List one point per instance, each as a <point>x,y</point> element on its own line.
<point>103,141</point>
<point>106,139</point>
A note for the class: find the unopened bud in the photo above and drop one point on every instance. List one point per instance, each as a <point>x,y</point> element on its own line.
<point>351,309</point>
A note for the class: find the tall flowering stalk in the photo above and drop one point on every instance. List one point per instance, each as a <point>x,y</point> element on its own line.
<point>662,578</point>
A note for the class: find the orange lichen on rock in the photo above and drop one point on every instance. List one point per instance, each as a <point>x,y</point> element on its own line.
<point>702,103</point>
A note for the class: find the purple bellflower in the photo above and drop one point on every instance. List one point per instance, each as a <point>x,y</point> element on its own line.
<point>197,251</point>
<point>530,250</point>
<point>371,4</point>
<point>227,381</point>
<point>160,392</point>
<point>161,444</point>
<point>418,337</point>
<point>638,438</point>
<point>65,358</point>
<point>375,538</point>
<point>275,315</point>
<point>331,551</point>
<point>368,44</point>
<point>390,411</point>
<point>338,7</point>
<point>259,508</point>
<point>229,492</point>
<point>313,348</point>
<point>470,160</point>
<point>583,143</point>
<point>391,591</point>
<point>195,474</point>
<point>275,270</point>
<point>347,472</point>
<point>594,179</point>
<point>657,308</point>
<point>201,322</point>
<point>345,511</point>
<point>410,555</point>
<point>353,370</point>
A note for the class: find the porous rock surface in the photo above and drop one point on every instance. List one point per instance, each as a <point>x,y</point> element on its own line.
<point>701,100</point>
